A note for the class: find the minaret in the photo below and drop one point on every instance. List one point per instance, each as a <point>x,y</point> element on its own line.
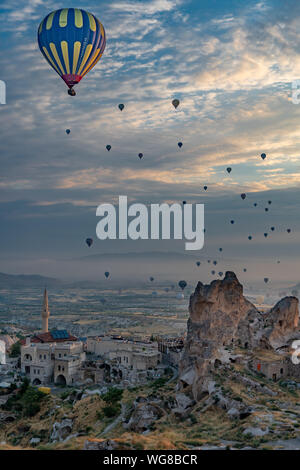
<point>45,313</point>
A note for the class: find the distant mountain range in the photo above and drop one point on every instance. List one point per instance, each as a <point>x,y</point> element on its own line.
<point>21,281</point>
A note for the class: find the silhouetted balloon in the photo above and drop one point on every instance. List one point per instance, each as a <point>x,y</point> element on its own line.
<point>141,155</point>
<point>213,272</point>
<point>266,279</point>
<point>68,131</point>
<point>106,274</point>
<point>255,204</point>
<point>288,230</point>
<point>180,296</point>
<point>249,238</point>
<point>265,235</point>
<point>89,242</point>
<point>208,260</point>
<point>121,106</point>
<point>215,263</point>
<point>205,188</point>
<point>220,249</point>
<point>245,270</point>
<point>269,202</point>
<point>220,274</point>
<point>243,196</point>
<point>229,170</point>
<point>272,228</point>
<point>175,103</point>
<point>263,156</point>
<point>180,144</point>
<point>108,148</point>
<point>198,263</point>
<point>266,209</point>
<point>182,284</point>
<point>151,278</point>
<point>232,222</point>
<point>184,203</point>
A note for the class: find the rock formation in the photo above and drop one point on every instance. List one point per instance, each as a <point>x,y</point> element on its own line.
<point>221,318</point>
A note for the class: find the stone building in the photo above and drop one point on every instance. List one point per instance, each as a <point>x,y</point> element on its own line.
<point>171,350</point>
<point>51,356</point>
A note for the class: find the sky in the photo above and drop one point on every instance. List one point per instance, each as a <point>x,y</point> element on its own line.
<point>231,63</point>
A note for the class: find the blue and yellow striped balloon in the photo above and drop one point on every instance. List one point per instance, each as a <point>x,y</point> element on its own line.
<point>72,41</point>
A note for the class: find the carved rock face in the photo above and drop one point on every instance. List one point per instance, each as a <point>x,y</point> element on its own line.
<point>220,316</point>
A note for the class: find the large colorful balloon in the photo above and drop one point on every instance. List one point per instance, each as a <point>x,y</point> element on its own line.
<point>72,41</point>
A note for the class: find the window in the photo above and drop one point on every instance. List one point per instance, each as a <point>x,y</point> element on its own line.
<point>58,367</point>
<point>40,356</point>
<point>59,355</point>
<point>45,357</point>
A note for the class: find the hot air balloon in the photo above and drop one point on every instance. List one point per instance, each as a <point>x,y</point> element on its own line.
<point>182,284</point>
<point>72,41</point>
<point>269,202</point>
<point>243,196</point>
<point>198,263</point>
<point>208,260</point>
<point>106,274</point>
<point>232,222</point>
<point>249,238</point>
<point>245,270</point>
<point>215,263</point>
<point>184,203</point>
<point>266,280</point>
<point>180,144</point>
<point>108,148</point>
<point>255,204</point>
<point>220,274</point>
<point>288,230</point>
<point>228,170</point>
<point>263,156</point>
<point>175,103</point>
<point>68,131</point>
<point>266,209</point>
<point>121,106</point>
<point>140,156</point>
<point>213,272</point>
<point>265,235</point>
<point>205,188</point>
<point>272,228</point>
<point>151,279</point>
<point>180,296</point>
<point>89,242</point>
<point>220,249</point>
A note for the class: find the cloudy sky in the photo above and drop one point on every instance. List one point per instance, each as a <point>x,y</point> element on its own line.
<point>231,63</point>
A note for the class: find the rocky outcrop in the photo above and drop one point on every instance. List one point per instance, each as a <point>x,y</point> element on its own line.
<point>221,318</point>
<point>61,431</point>
<point>217,312</point>
<point>282,323</point>
<point>143,416</point>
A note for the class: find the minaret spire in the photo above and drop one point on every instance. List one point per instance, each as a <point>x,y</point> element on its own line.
<point>45,312</point>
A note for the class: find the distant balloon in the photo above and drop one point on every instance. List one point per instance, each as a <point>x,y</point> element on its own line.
<point>255,204</point>
<point>151,278</point>
<point>228,170</point>
<point>154,294</point>
<point>232,222</point>
<point>89,242</point>
<point>269,202</point>
<point>220,249</point>
<point>175,103</point>
<point>180,144</point>
<point>243,196</point>
<point>220,274</point>
<point>198,263</point>
<point>205,188</point>
<point>272,228</point>
<point>140,155</point>
<point>182,284</point>
<point>266,280</point>
<point>288,230</point>
<point>265,235</point>
<point>263,156</point>
<point>215,263</point>
<point>106,274</point>
<point>245,270</point>
<point>121,107</point>
<point>213,272</point>
<point>266,209</point>
<point>68,131</point>
<point>108,148</point>
<point>184,203</point>
<point>208,260</point>
<point>180,296</point>
<point>249,238</point>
